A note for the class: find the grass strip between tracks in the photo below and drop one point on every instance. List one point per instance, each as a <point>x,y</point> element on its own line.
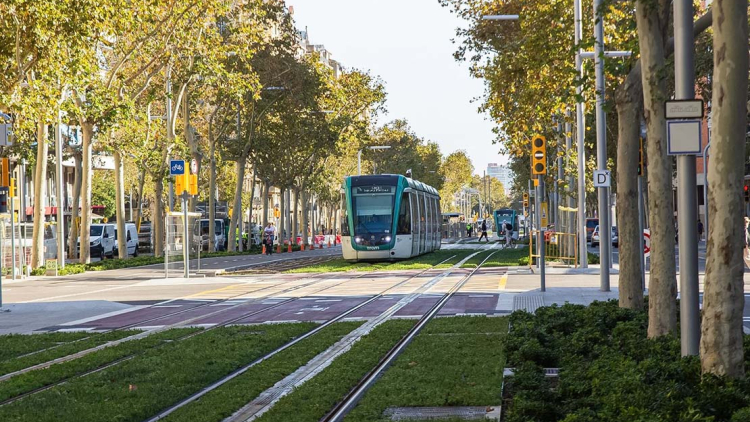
<point>14,345</point>
<point>501,258</point>
<point>12,365</point>
<point>139,388</point>
<point>33,380</point>
<point>421,262</point>
<point>316,397</point>
<point>225,400</point>
<point>455,361</point>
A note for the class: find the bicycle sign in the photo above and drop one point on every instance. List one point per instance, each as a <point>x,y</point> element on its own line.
<point>176,167</point>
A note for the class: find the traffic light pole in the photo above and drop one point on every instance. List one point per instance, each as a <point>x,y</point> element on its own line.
<point>605,230</point>
<point>540,236</point>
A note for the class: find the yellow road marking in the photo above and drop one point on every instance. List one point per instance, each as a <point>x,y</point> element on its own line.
<point>503,280</point>
<point>213,290</point>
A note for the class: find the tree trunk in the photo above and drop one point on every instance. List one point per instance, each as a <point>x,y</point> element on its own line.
<point>157,221</point>
<point>122,244</point>
<point>73,231</point>
<point>628,99</point>
<point>40,187</point>
<point>723,298</point>
<point>264,200</point>
<point>662,282</point>
<point>295,220</point>
<point>305,216</point>
<point>252,205</point>
<point>212,192</point>
<point>139,198</point>
<point>237,208</point>
<point>87,130</point>
<point>282,216</point>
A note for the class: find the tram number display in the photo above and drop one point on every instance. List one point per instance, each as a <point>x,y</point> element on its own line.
<point>363,190</point>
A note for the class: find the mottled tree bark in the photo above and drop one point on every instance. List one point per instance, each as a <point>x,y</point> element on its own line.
<point>628,99</point>
<point>40,188</point>
<point>723,299</point>
<point>122,245</point>
<point>653,19</point>
<point>73,232</point>
<point>87,171</point>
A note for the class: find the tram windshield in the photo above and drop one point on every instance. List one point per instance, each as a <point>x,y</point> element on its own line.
<point>372,212</point>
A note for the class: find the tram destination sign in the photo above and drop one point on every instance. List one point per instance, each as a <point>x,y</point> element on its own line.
<point>363,190</point>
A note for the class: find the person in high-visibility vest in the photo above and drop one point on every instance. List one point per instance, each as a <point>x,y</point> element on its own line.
<point>468,230</point>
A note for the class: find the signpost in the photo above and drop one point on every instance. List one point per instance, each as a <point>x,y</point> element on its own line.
<point>176,167</point>
<point>186,184</point>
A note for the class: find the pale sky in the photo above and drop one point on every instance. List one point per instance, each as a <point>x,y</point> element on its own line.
<point>408,44</point>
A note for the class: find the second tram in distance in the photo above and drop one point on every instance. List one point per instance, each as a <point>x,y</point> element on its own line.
<point>387,217</point>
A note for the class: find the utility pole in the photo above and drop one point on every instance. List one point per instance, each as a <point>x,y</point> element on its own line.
<point>59,194</point>
<point>686,185</point>
<point>605,231</point>
<point>580,133</point>
<point>170,132</point>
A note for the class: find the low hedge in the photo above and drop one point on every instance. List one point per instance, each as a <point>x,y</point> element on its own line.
<point>611,371</point>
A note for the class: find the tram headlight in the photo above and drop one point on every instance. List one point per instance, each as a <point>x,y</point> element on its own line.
<point>387,238</point>
<point>358,240</point>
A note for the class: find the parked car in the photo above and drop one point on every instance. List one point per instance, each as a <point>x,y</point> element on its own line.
<point>219,236</point>
<point>595,237</point>
<point>131,241</point>
<point>101,241</point>
<point>591,224</point>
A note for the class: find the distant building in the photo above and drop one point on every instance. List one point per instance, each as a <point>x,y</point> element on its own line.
<point>501,173</point>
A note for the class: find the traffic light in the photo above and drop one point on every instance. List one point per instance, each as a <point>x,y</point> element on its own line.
<point>525,200</point>
<point>12,188</point>
<point>640,158</point>
<point>5,172</point>
<point>538,155</point>
<point>747,194</point>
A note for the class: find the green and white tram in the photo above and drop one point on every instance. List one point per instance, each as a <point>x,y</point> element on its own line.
<point>388,217</point>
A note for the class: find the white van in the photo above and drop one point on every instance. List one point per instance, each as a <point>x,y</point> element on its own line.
<point>131,241</point>
<point>102,241</point>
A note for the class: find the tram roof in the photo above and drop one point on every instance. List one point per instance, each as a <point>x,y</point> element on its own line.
<point>392,179</point>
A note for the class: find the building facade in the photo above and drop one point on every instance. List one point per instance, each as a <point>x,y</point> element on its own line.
<point>501,173</point>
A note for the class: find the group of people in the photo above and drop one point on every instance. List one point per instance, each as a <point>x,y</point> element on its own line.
<point>505,228</point>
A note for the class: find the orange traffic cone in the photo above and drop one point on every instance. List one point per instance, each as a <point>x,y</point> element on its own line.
<point>289,247</point>
<point>278,248</point>
<point>329,244</point>
<point>263,251</point>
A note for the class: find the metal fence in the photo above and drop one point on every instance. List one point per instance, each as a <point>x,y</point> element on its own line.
<point>557,247</point>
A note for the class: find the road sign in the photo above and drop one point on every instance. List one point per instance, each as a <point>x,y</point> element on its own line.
<point>646,243</point>
<point>602,179</point>
<point>176,167</point>
<point>543,209</point>
<point>194,166</point>
<point>6,134</point>
<point>684,137</point>
<point>683,109</point>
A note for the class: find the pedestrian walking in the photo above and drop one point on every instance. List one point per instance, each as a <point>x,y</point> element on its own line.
<point>700,230</point>
<point>268,234</point>
<point>468,230</point>
<point>484,231</point>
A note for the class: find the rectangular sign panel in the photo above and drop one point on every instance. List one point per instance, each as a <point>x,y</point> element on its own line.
<point>684,137</point>
<point>602,179</point>
<point>683,109</point>
<point>176,167</point>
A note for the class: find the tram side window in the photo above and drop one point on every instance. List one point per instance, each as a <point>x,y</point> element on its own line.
<point>422,214</point>
<point>344,216</point>
<point>404,216</point>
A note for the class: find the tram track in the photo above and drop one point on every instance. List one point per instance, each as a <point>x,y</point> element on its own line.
<point>182,338</point>
<point>208,329</point>
<point>280,349</point>
<point>344,406</point>
<point>178,324</point>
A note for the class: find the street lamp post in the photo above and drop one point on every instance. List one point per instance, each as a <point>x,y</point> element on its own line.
<point>359,156</point>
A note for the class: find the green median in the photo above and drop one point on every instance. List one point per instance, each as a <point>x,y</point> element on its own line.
<point>15,345</point>
<point>156,379</point>
<point>33,380</point>
<point>85,341</point>
<point>422,262</point>
<point>225,400</point>
<point>467,371</point>
<point>315,398</point>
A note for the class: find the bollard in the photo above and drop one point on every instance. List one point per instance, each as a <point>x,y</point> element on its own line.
<point>263,251</point>
<point>302,247</point>
<point>289,247</point>
<point>278,248</point>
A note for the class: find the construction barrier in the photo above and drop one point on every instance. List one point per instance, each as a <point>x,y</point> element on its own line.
<point>558,246</point>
